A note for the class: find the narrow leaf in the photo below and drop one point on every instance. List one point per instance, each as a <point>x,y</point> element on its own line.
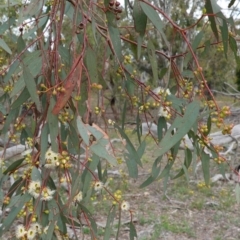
<point>109,223</point>
<point>205,167</point>
<point>13,166</point>
<point>133,232</point>
<point>4,46</point>
<point>116,41</point>
<point>209,10</point>
<point>153,61</point>
<point>31,87</point>
<point>224,31</point>
<point>8,221</point>
<point>91,60</point>
<point>155,19</point>
<point>140,18</point>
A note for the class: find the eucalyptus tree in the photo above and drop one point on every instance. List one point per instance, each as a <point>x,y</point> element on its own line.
<point>65,57</point>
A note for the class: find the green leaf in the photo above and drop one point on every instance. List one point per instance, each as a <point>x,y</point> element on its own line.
<point>233,45</point>
<point>91,60</point>
<point>179,128</point>
<point>132,151</point>
<point>116,41</point>
<point>96,133</point>
<point>82,130</point>
<point>141,149</point>
<point>31,87</point>
<point>155,172</point>
<point>155,19</point>
<point>147,182</point>
<point>61,223</point>
<point>10,118</point>
<point>197,40</point>
<point>124,114</point>
<point>8,221</point>
<point>15,187</point>
<point>224,31</point>
<point>35,174</point>
<point>89,215</point>
<point>18,86</point>
<point>20,44</point>
<point>161,127</point>
<point>163,72</point>
<point>87,176</point>
<point>22,98</point>
<point>94,30</point>
<point>133,232</point>
<point>140,19</point>
<point>186,164</point>
<point>139,127</point>
<point>33,60</point>
<point>237,192</point>
<point>99,148</point>
<point>4,46</point>
<point>211,9</point>
<point>53,125</point>
<point>131,165</point>
<point>153,61</point>
<point>11,71</point>
<point>139,46</point>
<point>44,142</point>
<point>13,166</point>
<point>205,167</point>
<point>156,167</point>
<point>109,223</point>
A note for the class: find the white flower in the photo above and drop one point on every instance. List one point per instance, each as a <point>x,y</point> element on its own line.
<point>125,206</point>
<point>20,231</point>
<point>51,159</point>
<point>31,233</point>
<point>47,194</point>
<point>98,186</point>
<point>34,188</point>
<point>163,112</point>
<point>78,197</point>
<point>37,227</point>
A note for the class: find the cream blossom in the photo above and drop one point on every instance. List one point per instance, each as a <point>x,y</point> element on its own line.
<point>20,231</point>
<point>125,206</point>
